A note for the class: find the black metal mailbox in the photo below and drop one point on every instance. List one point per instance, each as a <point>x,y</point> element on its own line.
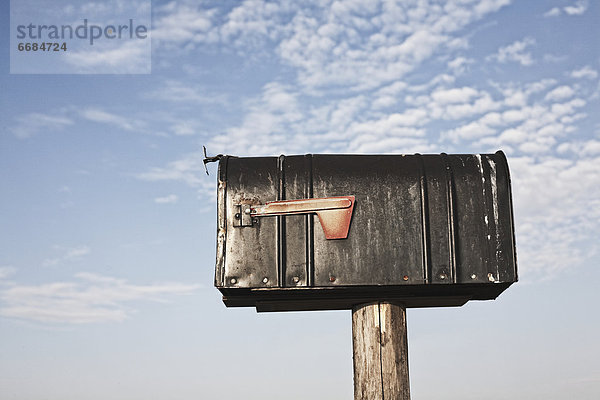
<point>313,232</point>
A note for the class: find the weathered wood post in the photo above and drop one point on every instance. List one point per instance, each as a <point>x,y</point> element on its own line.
<point>380,352</point>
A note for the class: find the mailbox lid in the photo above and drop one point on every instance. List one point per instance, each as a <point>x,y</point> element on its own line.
<point>418,220</point>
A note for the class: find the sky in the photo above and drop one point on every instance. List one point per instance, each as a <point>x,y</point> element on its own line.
<point>108,220</point>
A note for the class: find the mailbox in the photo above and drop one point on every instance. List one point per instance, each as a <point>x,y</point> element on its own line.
<point>315,232</point>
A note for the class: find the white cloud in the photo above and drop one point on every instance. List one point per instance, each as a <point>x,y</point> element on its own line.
<point>556,220</point>
<point>514,136</point>
<point>98,115</point>
<point>77,252</point>
<point>184,92</point>
<point>454,103</point>
<point>178,23</point>
<point>30,124</point>
<point>460,65</point>
<point>90,298</point>
<point>245,28</point>
<point>131,57</point>
<point>345,111</point>
<point>515,52</point>
<point>539,86</point>
<point>560,93</point>
<point>454,95</point>
<point>170,199</point>
<point>487,6</point>
<point>331,50</point>
<point>68,254</point>
<point>586,72</point>
<point>329,42</point>
<point>481,105</point>
<point>268,126</point>
<point>6,271</point>
<point>587,148</point>
<point>518,95</point>
<point>472,130</point>
<point>531,118</point>
<point>560,109</point>
<point>184,128</point>
<point>579,7</point>
<point>367,143</point>
<point>189,170</point>
<point>553,12</point>
<point>252,23</point>
<point>553,58</point>
<point>394,132</point>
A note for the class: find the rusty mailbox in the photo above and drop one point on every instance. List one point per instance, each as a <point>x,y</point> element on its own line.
<point>313,232</point>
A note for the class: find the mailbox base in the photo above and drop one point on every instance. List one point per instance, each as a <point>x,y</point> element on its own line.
<point>345,298</point>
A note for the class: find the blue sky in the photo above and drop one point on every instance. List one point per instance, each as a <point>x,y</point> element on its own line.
<point>108,220</point>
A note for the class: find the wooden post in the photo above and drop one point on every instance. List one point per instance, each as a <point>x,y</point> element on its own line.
<point>380,352</point>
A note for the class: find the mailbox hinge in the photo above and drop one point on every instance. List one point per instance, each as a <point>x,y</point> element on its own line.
<point>242,215</point>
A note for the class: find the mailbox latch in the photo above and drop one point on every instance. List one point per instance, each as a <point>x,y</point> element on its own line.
<point>335,213</point>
